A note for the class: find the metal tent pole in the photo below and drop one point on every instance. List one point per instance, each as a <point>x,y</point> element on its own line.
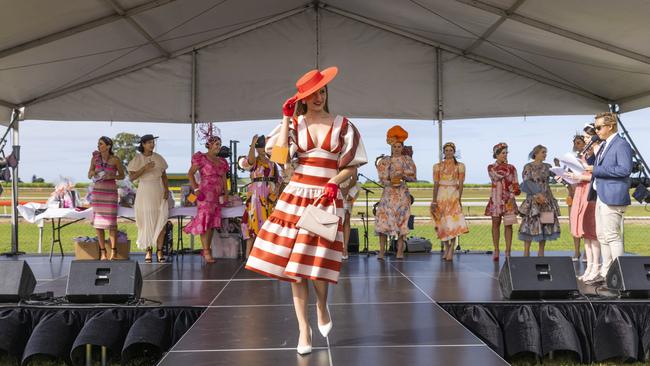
<point>439,94</point>
<point>193,119</point>
<point>13,125</point>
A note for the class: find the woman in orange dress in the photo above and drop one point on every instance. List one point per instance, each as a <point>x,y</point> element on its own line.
<point>446,209</point>
<point>329,150</point>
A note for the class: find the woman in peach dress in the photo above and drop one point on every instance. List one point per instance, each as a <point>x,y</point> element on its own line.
<point>446,209</point>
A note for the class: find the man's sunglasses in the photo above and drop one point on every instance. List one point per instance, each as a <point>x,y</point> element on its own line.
<point>597,128</point>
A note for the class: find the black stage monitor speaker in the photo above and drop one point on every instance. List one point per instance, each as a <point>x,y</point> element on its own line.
<point>103,281</point>
<point>17,281</point>
<point>538,278</point>
<point>630,275</point>
<point>353,243</point>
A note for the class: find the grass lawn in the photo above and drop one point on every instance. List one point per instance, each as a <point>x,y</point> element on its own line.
<point>479,237</point>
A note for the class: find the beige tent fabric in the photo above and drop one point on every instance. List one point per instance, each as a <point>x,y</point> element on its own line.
<point>81,60</point>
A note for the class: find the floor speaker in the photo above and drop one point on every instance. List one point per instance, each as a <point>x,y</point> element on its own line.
<point>630,275</point>
<point>103,281</point>
<point>17,281</point>
<point>538,278</point>
<point>353,242</point>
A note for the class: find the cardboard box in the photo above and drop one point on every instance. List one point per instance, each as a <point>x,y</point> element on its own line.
<point>89,250</point>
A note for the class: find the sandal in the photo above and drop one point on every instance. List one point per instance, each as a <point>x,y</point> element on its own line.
<point>113,254</point>
<point>161,256</point>
<point>147,255</point>
<point>102,254</point>
<point>207,256</point>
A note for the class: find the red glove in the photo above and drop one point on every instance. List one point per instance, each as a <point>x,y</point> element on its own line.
<point>289,107</point>
<point>330,191</point>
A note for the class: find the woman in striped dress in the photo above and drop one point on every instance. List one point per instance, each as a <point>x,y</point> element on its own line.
<point>329,151</point>
<point>105,169</point>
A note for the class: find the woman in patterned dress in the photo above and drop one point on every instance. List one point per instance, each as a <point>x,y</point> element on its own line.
<point>105,169</point>
<point>539,202</point>
<point>448,179</point>
<point>329,151</point>
<point>211,192</point>
<point>505,187</point>
<point>262,192</point>
<point>394,207</point>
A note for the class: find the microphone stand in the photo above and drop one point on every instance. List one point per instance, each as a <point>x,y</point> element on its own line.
<point>365,220</point>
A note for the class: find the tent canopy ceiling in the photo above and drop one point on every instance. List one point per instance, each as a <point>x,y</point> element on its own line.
<point>134,60</point>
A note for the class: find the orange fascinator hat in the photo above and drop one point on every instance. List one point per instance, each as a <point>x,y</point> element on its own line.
<point>314,80</point>
<point>396,134</point>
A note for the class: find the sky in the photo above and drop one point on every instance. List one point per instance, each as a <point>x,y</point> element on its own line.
<point>54,150</point>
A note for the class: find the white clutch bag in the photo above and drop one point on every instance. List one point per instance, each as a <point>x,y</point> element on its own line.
<point>319,222</point>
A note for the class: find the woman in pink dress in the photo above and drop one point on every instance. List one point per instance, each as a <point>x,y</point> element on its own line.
<point>502,204</point>
<point>211,191</point>
<point>583,217</point>
<point>105,170</point>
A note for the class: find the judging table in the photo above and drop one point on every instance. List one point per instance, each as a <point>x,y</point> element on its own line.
<point>38,213</point>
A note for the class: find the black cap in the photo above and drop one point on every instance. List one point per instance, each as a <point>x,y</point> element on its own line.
<point>147,137</point>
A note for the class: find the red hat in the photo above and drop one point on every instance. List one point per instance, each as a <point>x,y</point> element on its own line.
<point>314,80</point>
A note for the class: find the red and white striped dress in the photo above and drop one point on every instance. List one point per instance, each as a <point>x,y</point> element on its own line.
<point>281,250</point>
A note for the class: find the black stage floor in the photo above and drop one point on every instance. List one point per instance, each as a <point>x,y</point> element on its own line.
<point>384,312</point>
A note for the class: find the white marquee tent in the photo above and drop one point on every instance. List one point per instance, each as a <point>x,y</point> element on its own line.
<point>157,61</point>
<point>227,60</point>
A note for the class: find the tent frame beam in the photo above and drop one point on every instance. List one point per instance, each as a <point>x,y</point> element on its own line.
<point>4,103</point>
<point>82,27</point>
<point>122,13</point>
<point>155,60</point>
<point>459,52</point>
<point>494,27</point>
<point>556,30</point>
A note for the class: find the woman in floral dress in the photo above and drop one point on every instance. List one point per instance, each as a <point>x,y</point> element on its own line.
<point>329,150</point>
<point>262,192</point>
<point>540,210</point>
<point>394,208</point>
<point>502,204</point>
<point>208,191</point>
<point>446,209</point>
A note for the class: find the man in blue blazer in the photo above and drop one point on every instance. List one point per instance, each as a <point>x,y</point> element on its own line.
<point>610,187</point>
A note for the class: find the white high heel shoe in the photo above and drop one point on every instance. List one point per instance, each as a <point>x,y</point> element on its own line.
<point>326,328</point>
<point>305,350</point>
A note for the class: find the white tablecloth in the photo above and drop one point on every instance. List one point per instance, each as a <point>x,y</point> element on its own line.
<point>28,212</point>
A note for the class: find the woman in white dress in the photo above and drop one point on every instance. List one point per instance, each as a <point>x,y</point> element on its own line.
<point>151,206</point>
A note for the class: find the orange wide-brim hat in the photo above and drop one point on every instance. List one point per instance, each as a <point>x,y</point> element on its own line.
<point>314,80</point>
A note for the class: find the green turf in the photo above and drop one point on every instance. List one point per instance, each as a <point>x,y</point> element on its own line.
<point>479,238</point>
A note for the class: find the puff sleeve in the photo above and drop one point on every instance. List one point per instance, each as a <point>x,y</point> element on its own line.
<point>353,152</point>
